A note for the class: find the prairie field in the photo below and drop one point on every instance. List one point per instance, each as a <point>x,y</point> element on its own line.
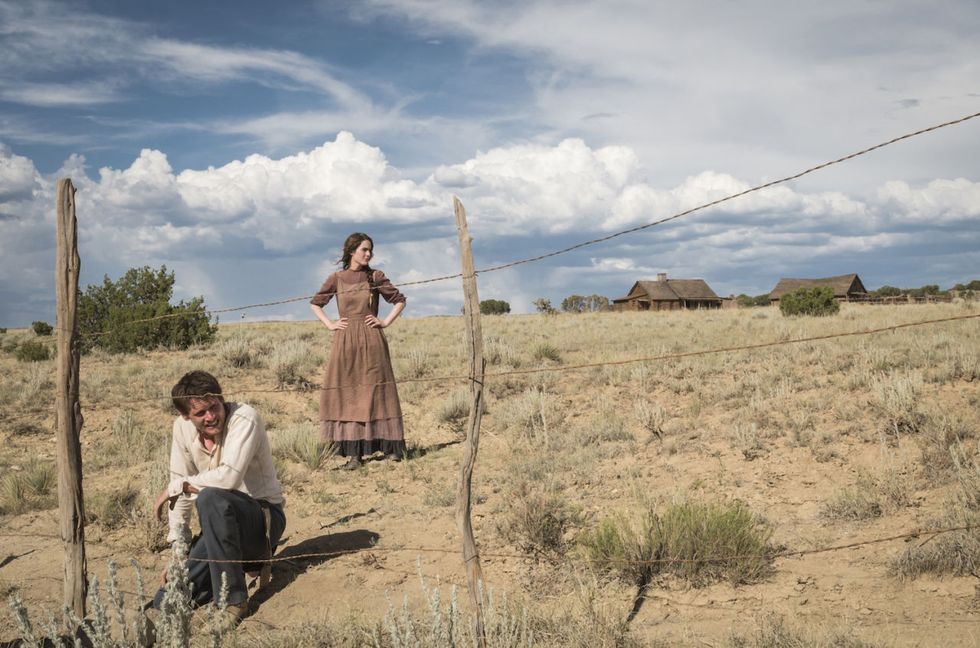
<point>682,501</point>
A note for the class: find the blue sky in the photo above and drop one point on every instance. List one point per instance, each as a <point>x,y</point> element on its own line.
<point>239,143</point>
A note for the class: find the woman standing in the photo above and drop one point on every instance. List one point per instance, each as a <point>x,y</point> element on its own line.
<point>359,409</point>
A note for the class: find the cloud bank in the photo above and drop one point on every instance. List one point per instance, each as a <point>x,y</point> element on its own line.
<point>286,217</point>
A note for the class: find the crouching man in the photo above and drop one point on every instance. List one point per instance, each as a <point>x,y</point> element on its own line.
<point>221,462</point>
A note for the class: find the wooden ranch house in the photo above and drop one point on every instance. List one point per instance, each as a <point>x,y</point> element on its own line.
<point>846,287</point>
<point>668,294</point>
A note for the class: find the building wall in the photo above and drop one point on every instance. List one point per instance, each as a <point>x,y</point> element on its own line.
<point>633,305</point>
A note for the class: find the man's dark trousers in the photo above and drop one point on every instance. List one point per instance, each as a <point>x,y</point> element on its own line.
<point>232,529</point>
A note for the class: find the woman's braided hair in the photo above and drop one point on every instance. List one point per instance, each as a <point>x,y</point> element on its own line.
<point>350,246</point>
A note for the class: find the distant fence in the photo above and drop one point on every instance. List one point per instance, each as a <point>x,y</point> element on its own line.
<point>903,299</point>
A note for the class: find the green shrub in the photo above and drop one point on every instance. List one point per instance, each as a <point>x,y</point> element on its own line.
<point>112,316</point>
<point>33,351</point>
<point>41,328</point>
<point>494,307</point>
<point>747,301</point>
<point>700,542</point>
<point>627,547</point>
<point>816,302</point>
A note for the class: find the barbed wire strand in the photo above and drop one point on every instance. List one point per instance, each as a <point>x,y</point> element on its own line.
<point>914,533</point>
<point>739,194</point>
<point>583,244</point>
<point>576,367</point>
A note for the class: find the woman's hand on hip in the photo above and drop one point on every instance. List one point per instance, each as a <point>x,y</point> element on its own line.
<point>374,322</point>
<point>338,325</point>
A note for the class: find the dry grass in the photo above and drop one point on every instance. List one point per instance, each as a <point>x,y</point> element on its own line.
<point>562,449</point>
<point>301,444</point>
<point>774,631</point>
<point>28,488</point>
<point>873,495</point>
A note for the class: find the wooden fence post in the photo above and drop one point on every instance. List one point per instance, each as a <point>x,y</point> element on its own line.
<point>474,347</point>
<point>68,411</point>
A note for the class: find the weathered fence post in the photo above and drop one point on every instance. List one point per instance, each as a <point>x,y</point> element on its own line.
<point>474,347</point>
<point>68,412</point>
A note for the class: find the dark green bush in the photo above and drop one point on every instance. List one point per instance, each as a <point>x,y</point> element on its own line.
<point>817,302</point>
<point>112,316</point>
<point>41,328</point>
<point>494,307</point>
<point>746,301</point>
<point>33,351</point>
<point>887,291</point>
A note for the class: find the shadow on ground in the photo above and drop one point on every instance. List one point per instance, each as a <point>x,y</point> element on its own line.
<point>299,558</point>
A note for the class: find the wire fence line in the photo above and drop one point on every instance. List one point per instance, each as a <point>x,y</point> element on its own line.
<point>768,555</point>
<point>564,368</point>
<point>583,244</point>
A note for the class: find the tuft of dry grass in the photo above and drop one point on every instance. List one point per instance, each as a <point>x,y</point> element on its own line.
<point>773,631</point>
<point>31,488</point>
<point>872,496</point>
<point>291,362</point>
<point>115,508</point>
<point>130,443</point>
<point>537,520</point>
<point>897,399</point>
<point>941,435</point>
<point>301,443</point>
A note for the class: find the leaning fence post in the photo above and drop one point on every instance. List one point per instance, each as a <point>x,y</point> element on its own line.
<point>474,347</point>
<point>68,412</point>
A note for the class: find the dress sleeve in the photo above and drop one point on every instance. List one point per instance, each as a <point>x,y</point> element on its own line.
<point>387,289</point>
<point>326,292</point>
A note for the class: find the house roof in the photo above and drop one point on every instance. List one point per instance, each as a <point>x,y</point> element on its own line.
<point>842,285</point>
<point>671,290</point>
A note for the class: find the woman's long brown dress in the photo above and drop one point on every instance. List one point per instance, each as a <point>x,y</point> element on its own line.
<point>359,409</point>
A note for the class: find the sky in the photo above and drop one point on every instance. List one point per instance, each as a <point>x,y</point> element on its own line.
<point>239,143</point>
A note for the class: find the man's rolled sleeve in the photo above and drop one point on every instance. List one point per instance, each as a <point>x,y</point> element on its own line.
<point>181,467</point>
